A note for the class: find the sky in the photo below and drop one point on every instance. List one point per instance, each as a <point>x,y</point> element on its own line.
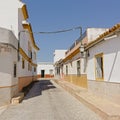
<point>55,15</point>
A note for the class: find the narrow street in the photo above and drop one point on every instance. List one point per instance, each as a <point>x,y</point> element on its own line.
<point>48,101</point>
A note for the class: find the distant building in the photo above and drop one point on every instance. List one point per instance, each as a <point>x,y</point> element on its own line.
<point>59,55</point>
<point>17,50</point>
<point>45,70</point>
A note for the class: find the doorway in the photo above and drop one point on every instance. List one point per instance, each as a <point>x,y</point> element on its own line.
<point>42,73</point>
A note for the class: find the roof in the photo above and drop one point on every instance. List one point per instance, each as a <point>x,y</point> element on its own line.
<point>101,37</point>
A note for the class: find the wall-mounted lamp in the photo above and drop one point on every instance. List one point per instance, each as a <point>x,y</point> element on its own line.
<point>82,48</point>
<point>82,51</point>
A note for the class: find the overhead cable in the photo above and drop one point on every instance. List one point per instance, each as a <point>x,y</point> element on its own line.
<point>61,31</point>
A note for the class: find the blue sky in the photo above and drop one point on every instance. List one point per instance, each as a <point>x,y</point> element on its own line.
<point>53,15</point>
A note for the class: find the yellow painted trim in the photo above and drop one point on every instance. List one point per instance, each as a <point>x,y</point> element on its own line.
<point>71,55</point>
<point>99,55</point>
<point>25,13</point>
<point>102,36</point>
<point>8,86</point>
<point>33,64</point>
<point>28,26</point>
<point>26,57</point>
<point>24,54</point>
<point>77,80</point>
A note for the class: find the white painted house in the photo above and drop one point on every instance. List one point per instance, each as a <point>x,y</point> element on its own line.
<point>45,70</point>
<point>59,55</point>
<point>103,66</point>
<point>72,66</point>
<point>17,50</point>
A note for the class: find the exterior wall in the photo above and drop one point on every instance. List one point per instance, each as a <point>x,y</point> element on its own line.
<point>24,81</point>
<point>59,54</point>
<point>46,67</point>
<point>12,15</point>
<point>111,57</point>
<point>80,80</point>
<point>93,33</point>
<point>72,76</point>
<point>26,74</point>
<point>103,89</point>
<point>9,15</point>
<point>8,56</point>
<point>109,87</point>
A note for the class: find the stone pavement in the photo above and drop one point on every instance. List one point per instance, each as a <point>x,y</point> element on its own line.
<point>48,101</point>
<point>106,109</point>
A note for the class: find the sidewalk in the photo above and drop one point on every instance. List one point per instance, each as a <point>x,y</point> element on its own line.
<point>103,107</point>
<point>2,109</point>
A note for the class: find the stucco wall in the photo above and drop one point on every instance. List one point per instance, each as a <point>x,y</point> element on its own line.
<point>107,90</point>
<point>9,15</point>
<point>109,87</point>
<point>45,66</point>
<point>93,33</point>
<point>111,58</point>
<point>8,56</point>
<point>59,54</point>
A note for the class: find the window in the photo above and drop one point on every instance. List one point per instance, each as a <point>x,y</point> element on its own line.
<point>31,54</point>
<point>99,66</point>
<point>15,69</point>
<point>35,55</point>
<point>34,69</point>
<point>29,67</point>
<point>23,63</point>
<point>78,67</point>
<point>51,71</point>
<point>58,70</point>
<point>66,70</point>
<point>29,50</point>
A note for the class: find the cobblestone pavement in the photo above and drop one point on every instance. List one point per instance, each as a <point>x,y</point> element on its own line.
<point>48,101</point>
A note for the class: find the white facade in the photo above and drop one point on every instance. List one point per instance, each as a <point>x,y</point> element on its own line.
<point>47,67</point>
<point>59,54</point>
<point>103,65</point>
<point>17,50</point>
<point>93,33</point>
<point>9,15</point>
<point>111,57</point>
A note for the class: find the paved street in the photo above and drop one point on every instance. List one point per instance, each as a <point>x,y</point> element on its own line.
<point>48,101</point>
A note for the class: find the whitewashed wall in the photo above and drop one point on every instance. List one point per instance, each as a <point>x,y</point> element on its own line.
<point>93,33</point>
<point>9,15</point>
<point>111,60</point>
<point>59,54</point>
<point>45,66</point>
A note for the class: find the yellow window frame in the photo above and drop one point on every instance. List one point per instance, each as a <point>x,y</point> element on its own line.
<point>100,55</point>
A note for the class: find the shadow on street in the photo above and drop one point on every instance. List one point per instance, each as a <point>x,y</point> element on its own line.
<point>36,88</point>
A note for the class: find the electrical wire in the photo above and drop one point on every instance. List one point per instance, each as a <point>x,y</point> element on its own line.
<point>61,31</point>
